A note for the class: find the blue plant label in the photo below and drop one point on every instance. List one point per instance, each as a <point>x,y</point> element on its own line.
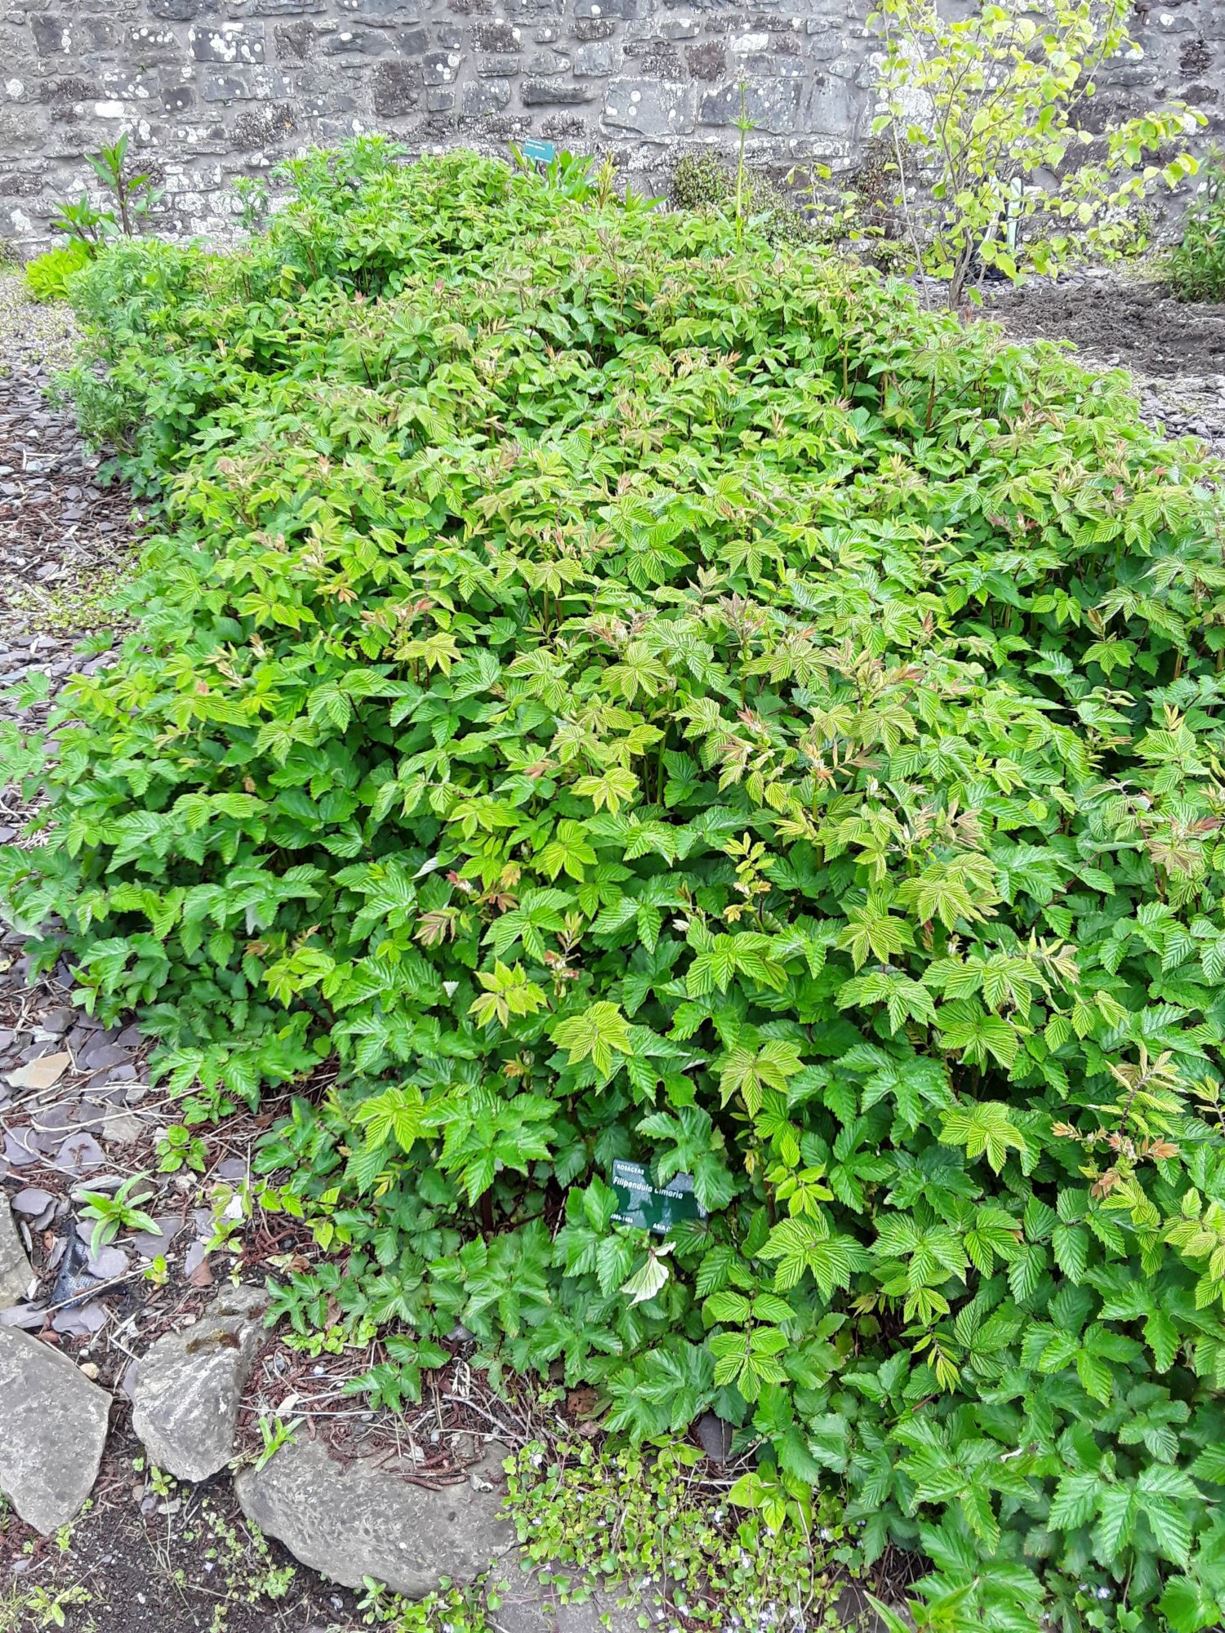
<point>541,152</point>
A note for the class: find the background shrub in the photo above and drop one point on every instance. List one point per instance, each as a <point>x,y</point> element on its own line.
<point>627,693</point>
<point>1008,173</point>
<point>703,181</point>
<point>1195,268</point>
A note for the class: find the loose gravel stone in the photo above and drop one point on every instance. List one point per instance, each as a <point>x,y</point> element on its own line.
<point>32,1200</point>
<point>41,1073</point>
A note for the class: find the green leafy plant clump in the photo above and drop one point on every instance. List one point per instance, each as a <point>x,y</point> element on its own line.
<point>1195,267</point>
<point>618,689</point>
<point>702,181</point>
<point>87,227</point>
<point>47,275</point>
<point>632,1524</point>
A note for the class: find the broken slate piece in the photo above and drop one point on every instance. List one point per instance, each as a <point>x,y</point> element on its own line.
<point>18,1152</point>
<point>32,1200</point>
<point>363,1520</point>
<point>716,1437</point>
<point>52,1431</point>
<point>97,1057</point>
<point>16,1277</point>
<point>195,1256</point>
<point>30,1317</point>
<point>150,1246</point>
<point>200,1275</point>
<point>81,1321</point>
<point>191,1382</point>
<point>127,1380</point>
<point>81,1152</point>
<point>122,1128</point>
<point>108,1263</point>
<point>42,1073</point>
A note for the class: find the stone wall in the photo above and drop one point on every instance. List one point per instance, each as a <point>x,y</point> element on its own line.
<point>212,89</point>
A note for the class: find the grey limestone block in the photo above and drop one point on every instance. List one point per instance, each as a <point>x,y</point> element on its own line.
<point>190,1386</point>
<point>354,1520</point>
<point>53,1424</point>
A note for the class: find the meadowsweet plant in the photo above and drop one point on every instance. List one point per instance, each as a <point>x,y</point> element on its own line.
<point>614,689</point>
<point>132,195</point>
<point>996,161</point>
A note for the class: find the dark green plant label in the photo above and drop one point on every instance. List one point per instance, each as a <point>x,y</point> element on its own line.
<point>652,1207</point>
<point>542,152</point>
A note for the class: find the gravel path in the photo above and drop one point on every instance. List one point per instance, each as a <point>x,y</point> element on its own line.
<point>77,1110</point>
<point>64,538</point>
<point>60,529</point>
<point>73,1096</point>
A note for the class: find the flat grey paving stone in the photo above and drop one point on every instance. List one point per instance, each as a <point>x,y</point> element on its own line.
<point>53,1424</point>
<point>357,1520</point>
<point>528,1607</point>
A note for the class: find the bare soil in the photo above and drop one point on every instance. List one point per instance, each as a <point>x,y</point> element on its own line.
<point>180,1560</point>
<point>1113,320</point>
<point>1174,350</point>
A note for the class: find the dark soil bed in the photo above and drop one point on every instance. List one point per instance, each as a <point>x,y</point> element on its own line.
<point>177,1560</point>
<point>1112,319</point>
<point>1176,351</point>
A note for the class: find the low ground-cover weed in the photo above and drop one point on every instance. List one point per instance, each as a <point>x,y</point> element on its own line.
<point>635,1525</point>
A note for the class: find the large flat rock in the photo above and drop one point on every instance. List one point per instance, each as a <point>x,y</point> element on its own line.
<point>358,1520</point>
<point>52,1431</point>
<point>527,1607</point>
<point>190,1383</point>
